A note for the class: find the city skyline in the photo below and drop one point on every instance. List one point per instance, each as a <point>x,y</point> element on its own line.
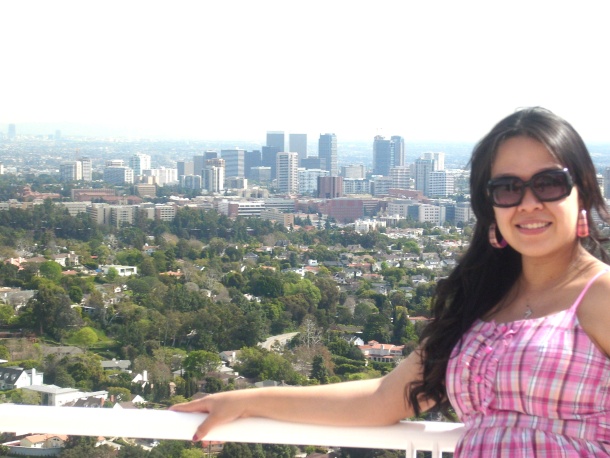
<point>217,70</point>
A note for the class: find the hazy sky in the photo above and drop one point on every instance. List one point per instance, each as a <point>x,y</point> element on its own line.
<point>220,69</point>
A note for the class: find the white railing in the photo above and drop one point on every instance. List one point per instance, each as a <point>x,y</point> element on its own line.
<point>163,424</point>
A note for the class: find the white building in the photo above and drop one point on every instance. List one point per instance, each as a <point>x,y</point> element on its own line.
<point>118,175</point>
<point>139,162</point>
<point>308,179</point>
<point>287,169</point>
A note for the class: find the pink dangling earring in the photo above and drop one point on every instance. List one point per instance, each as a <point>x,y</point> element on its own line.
<point>493,239</point>
<point>582,228</point>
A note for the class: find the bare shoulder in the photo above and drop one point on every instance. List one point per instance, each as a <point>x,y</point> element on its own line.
<point>594,311</point>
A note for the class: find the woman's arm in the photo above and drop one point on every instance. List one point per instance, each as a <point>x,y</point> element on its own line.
<point>372,402</point>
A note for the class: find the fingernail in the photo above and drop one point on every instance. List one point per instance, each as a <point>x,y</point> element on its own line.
<point>195,438</point>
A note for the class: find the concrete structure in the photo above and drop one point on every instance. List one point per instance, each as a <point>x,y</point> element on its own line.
<point>118,175</point>
<point>308,180</point>
<point>139,162</point>
<point>353,171</point>
<point>327,153</point>
<point>297,143</point>
<point>234,162</point>
<point>214,173</point>
<point>330,187</point>
<point>287,166</point>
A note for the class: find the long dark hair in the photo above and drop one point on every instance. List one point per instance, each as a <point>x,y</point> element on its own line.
<point>484,274</point>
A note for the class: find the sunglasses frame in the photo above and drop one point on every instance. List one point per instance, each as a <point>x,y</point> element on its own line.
<point>529,184</point>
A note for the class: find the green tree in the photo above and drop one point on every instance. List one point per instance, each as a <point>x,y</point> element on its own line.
<point>84,337</point>
<point>200,362</point>
<point>51,270</point>
<point>51,310</point>
<point>319,371</point>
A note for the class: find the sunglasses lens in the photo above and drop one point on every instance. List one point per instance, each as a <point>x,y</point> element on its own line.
<point>506,191</point>
<point>550,186</point>
<point>547,186</point>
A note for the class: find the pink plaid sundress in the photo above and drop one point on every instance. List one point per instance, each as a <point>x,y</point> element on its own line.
<point>531,388</point>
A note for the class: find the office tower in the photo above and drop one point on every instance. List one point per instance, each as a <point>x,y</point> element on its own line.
<point>308,180</point>
<point>330,187</point>
<point>191,181</point>
<point>327,152</point>
<point>185,168</point>
<point>214,175</point>
<point>71,171</point>
<point>287,172</point>
<point>138,163</point>
<point>353,171</point>
<point>269,159</point>
<point>297,143</point>
<point>441,183</point>
<point>234,162</point>
<point>275,139</point>
<point>401,177</point>
<point>438,158</point>
<point>12,131</point>
<point>311,162</point>
<point>251,159</point>
<point>115,163</point>
<point>198,164</point>
<point>399,150</point>
<point>211,154</point>
<point>87,169</point>
<point>260,174</point>
<point>383,156</point>
<point>423,169</point>
<point>118,175</point>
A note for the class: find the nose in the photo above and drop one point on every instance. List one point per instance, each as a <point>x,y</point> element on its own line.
<point>530,201</point>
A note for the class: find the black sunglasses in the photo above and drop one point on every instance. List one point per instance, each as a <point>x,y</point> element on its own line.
<point>547,186</point>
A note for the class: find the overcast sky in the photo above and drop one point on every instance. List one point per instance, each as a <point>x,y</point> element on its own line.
<point>234,69</point>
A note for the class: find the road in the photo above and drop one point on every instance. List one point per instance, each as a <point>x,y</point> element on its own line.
<point>282,339</point>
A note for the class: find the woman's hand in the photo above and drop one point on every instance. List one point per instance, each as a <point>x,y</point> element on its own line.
<point>221,408</point>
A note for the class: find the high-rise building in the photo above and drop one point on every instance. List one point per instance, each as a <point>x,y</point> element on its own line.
<point>191,181</point>
<point>327,152</point>
<point>288,172</point>
<point>297,143</point>
<point>275,139</point>
<point>71,171</point>
<point>308,180</point>
<point>401,177</point>
<point>198,164</point>
<point>387,154</point>
<point>311,162</point>
<point>441,183</point>
<point>353,171</point>
<point>214,175</point>
<point>330,187</point>
<point>251,159</point>
<point>12,131</point>
<point>438,158</point>
<point>383,156</point>
<point>399,150</point>
<point>138,163</point>
<point>423,169</point>
<point>185,168</point>
<point>87,169</point>
<point>234,162</point>
<point>118,175</point>
<point>269,158</point>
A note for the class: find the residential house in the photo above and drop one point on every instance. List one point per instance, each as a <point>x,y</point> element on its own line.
<point>12,378</point>
<point>385,353</point>
<point>122,365</point>
<point>46,441</point>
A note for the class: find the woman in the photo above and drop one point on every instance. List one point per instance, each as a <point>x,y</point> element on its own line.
<point>518,343</point>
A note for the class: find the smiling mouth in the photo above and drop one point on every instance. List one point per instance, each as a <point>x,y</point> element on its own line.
<point>533,225</point>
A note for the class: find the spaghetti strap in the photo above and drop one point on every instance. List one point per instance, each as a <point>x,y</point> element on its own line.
<point>586,288</point>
